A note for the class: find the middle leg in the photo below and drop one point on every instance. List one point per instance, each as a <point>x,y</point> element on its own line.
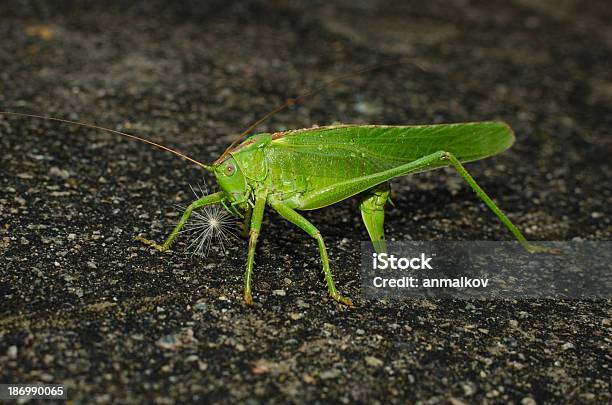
<point>292,216</point>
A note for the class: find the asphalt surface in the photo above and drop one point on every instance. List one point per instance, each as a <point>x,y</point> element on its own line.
<point>83,304</point>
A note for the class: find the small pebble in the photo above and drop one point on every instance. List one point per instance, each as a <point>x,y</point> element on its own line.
<point>469,389</point>
<point>60,173</point>
<point>12,352</point>
<point>374,362</point>
<point>330,374</point>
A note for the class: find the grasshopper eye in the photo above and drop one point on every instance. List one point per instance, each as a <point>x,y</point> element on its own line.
<point>230,170</point>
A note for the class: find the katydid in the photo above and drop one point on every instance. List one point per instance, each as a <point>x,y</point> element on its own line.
<point>313,168</point>
<point>308,169</point>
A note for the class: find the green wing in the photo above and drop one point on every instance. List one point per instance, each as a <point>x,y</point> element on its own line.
<point>349,151</point>
<point>467,141</point>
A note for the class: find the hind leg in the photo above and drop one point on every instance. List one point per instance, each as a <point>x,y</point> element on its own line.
<point>489,203</point>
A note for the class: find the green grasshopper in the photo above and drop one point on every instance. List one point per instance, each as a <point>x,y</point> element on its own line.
<point>308,169</point>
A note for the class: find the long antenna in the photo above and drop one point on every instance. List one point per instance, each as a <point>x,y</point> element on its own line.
<point>293,101</point>
<point>112,131</point>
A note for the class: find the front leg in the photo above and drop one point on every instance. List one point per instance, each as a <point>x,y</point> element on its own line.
<point>255,220</point>
<point>202,202</point>
<point>246,224</point>
<point>292,216</point>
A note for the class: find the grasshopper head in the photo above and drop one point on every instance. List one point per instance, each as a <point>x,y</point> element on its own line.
<point>231,180</point>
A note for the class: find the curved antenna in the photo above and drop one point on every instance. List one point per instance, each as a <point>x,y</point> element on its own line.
<point>293,101</point>
<point>112,131</point>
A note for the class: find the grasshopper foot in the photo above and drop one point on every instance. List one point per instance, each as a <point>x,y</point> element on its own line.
<point>248,299</point>
<point>148,242</point>
<point>541,249</point>
<point>343,300</point>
